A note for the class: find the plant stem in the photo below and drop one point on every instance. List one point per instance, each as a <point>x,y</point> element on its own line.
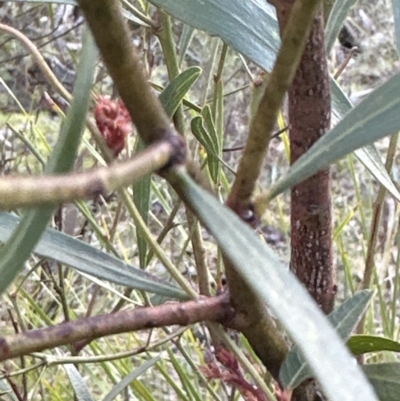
<point>262,125</point>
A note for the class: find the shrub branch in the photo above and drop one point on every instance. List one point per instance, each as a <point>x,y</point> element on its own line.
<point>262,125</point>
<point>17,191</point>
<point>183,314</point>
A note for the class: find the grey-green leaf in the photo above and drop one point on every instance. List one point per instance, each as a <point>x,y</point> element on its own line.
<point>385,377</point>
<point>376,117</point>
<point>361,344</point>
<point>210,144</point>
<point>24,238</point>
<point>340,377</point>
<point>344,319</point>
<point>396,13</point>
<point>87,259</point>
<point>173,94</point>
<point>112,395</point>
<point>78,383</point>
<point>249,26</point>
<point>336,20</point>
<point>368,155</point>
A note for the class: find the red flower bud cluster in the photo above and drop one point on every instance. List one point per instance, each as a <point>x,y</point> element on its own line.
<point>113,121</point>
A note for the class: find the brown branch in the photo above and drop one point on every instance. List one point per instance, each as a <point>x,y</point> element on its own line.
<point>18,191</point>
<point>183,314</point>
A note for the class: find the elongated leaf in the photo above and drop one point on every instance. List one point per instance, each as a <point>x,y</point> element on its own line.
<point>78,383</point>
<point>263,271</point>
<point>361,344</point>
<point>385,377</point>
<point>336,20</point>
<point>141,198</point>
<point>184,41</point>
<point>83,257</point>
<point>344,319</point>
<point>23,240</point>
<point>112,395</point>
<point>376,117</point>
<point>173,94</point>
<point>210,144</point>
<point>249,26</point>
<point>6,391</point>
<point>368,155</point>
<point>396,13</point>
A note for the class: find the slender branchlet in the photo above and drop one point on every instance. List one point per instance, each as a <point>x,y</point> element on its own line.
<point>263,122</point>
<point>183,314</point>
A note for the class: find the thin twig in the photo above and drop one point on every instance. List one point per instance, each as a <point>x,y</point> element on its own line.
<point>27,191</point>
<point>262,125</point>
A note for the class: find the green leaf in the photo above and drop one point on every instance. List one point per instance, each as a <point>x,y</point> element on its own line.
<point>78,383</point>
<point>141,198</point>
<point>184,41</point>
<point>376,117</point>
<point>368,155</point>
<point>23,240</point>
<point>249,26</point>
<point>336,20</point>
<point>385,377</point>
<point>87,259</point>
<point>173,94</point>
<point>6,391</point>
<point>344,319</point>
<point>361,344</point>
<point>396,14</point>
<point>208,139</point>
<point>262,270</point>
<point>112,395</point>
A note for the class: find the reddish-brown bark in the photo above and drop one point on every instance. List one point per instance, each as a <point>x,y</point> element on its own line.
<point>309,118</point>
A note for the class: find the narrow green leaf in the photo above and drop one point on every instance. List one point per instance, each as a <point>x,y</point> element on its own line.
<point>376,117</point>
<point>112,395</point>
<point>361,344</point>
<point>368,155</point>
<point>141,198</point>
<point>23,240</point>
<point>341,379</point>
<point>396,14</point>
<point>336,20</point>
<point>87,259</point>
<point>184,41</point>
<point>208,141</point>
<point>344,319</point>
<point>385,377</point>
<point>213,162</point>
<point>249,26</point>
<point>81,390</point>
<point>6,391</point>
<point>173,94</point>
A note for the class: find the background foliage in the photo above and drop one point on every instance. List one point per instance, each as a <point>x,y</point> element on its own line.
<point>218,103</point>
